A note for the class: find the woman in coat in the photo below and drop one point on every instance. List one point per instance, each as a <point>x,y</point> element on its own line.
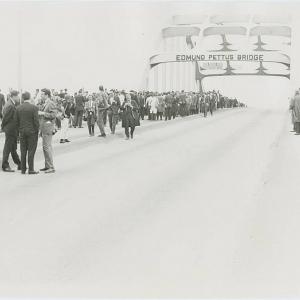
<point>130,116</point>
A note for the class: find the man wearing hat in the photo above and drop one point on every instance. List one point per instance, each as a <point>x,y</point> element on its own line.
<point>27,121</point>
<point>9,127</point>
<point>48,115</point>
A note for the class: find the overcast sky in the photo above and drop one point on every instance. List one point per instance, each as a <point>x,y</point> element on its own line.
<point>84,44</point>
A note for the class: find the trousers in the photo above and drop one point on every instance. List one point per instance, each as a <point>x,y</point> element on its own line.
<point>28,145</point>
<point>78,118</point>
<point>64,129</point>
<point>10,148</point>
<point>100,122</point>
<point>48,150</point>
<point>131,131</point>
<point>113,121</point>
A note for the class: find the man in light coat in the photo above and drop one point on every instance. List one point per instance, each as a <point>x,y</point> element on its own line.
<point>102,106</point>
<point>47,123</point>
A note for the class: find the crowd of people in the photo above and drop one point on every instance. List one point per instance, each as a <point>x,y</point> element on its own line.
<point>47,112</point>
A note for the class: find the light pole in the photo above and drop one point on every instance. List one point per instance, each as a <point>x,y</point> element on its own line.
<point>20,67</point>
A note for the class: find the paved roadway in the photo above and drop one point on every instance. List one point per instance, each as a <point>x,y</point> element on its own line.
<point>190,208</point>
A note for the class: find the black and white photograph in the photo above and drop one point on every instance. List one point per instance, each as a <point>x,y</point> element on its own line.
<point>149,149</point>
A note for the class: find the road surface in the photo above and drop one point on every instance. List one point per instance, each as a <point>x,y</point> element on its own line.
<point>193,207</point>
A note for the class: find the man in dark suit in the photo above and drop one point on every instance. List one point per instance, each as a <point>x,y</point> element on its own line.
<point>9,127</point>
<point>79,108</point>
<point>27,121</point>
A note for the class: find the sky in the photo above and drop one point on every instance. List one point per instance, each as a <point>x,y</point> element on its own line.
<point>68,44</point>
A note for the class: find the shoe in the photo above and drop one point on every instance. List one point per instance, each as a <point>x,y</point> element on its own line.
<point>33,172</point>
<point>80,127</point>
<point>297,133</point>
<point>23,172</point>
<point>102,135</point>
<point>67,141</point>
<point>44,169</point>
<point>8,169</point>
<point>62,141</point>
<point>50,171</point>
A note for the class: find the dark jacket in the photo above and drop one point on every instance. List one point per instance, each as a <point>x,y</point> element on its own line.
<point>8,124</point>
<point>79,103</point>
<point>67,107</point>
<point>130,115</point>
<point>27,118</point>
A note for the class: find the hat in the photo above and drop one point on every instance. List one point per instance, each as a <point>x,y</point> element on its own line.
<point>47,92</point>
<point>14,93</point>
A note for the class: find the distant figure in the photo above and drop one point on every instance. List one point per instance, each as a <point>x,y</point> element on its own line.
<point>168,106</point>
<point>295,107</point>
<point>8,125</point>
<point>27,122</point>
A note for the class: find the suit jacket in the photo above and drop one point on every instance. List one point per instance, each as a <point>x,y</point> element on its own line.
<point>48,120</point>
<point>27,118</point>
<point>79,103</point>
<point>8,124</point>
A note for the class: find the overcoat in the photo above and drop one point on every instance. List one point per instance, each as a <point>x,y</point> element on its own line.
<point>130,115</point>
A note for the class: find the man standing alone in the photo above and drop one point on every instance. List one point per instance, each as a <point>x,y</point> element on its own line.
<point>27,121</point>
<point>9,127</point>
<point>48,115</point>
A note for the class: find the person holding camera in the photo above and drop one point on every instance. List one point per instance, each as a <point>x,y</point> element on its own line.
<point>47,127</point>
<point>130,116</point>
<point>91,113</point>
